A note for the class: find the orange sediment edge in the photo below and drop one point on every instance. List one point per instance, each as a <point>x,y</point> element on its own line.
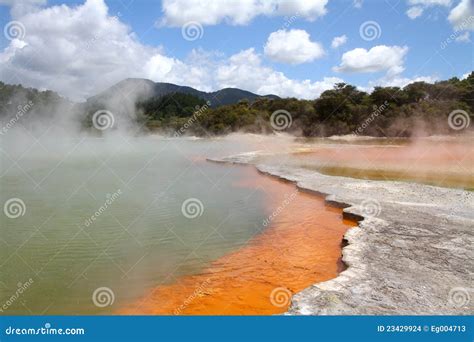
<point>300,246</point>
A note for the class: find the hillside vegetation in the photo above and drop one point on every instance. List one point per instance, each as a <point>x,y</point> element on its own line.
<point>417,109</point>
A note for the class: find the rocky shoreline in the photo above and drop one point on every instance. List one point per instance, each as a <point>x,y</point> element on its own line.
<point>411,254</point>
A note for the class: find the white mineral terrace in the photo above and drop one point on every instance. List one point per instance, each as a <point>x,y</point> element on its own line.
<point>412,253</point>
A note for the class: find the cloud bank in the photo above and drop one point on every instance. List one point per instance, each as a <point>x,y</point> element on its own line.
<point>79,51</point>
<point>209,12</point>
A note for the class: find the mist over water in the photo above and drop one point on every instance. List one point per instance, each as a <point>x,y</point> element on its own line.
<point>141,238</point>
<point>106,208</point>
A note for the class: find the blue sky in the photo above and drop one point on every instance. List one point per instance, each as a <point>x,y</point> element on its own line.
<point>416,48</point>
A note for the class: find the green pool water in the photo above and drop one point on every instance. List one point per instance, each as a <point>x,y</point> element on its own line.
<point>53,256</point>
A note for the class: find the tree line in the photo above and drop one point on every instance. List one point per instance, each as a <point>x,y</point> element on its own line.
<point>418,108</point>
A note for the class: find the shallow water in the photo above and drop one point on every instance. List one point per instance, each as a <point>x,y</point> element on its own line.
<point>141,239</point>
<point>299,245</point>
<point>442,161</point>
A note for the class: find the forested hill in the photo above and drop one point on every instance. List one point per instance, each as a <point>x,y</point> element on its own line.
<point>446,107</point>
<point>417,109</point>
<point>146,89</point>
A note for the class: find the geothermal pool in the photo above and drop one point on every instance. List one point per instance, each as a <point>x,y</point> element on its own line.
<point>167,232</point>
<point>440,161</point>
<point>111,213</point>
<point>140,240</point>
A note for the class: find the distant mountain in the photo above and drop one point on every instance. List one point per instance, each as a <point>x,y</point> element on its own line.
<point>137,89</point>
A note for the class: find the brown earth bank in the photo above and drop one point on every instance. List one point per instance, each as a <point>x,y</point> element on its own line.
<point>299,245</point>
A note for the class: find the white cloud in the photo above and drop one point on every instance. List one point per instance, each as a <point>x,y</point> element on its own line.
<point>404,81</point>
<point>74,50</point>
<point>462,16</point>
<point>430,2</point>
<point>11,50</point>
<point>293,47</point>
<point>415,12</point>
<point>245,70</point>
<point>463,77</point>
<point>378,58</point>
<point>463,38</point>
<point>242,12</point>
<point>338,41</point>
<point>79,51</point>
<point>417,7</point>
<point>396,81</point>
<point>160,68</point>
<point>19,8</point>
